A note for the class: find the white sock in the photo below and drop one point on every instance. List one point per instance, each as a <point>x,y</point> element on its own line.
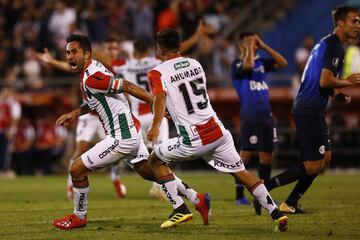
<point>171,192</point>
<point>262,195</point>
<point>114,173</point>
<point>80,201</point>
<point>186,191</point>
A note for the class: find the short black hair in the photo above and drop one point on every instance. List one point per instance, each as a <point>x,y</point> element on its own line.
<point>244,34</point>
<point>83,41</point>
<point>169,39</point>
<point>341,12</point>
<point>141,45</point>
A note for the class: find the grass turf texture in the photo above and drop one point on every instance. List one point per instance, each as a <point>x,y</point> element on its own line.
<point>29,204</point>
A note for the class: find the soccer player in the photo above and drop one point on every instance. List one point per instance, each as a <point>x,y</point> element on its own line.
<point>248,74</point>
<point>179,84</point>
<point>103,93</point>
<point>318,82</point>
<point>88,131</point>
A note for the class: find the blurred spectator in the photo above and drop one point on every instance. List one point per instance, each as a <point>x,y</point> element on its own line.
<point>60,21</point>
<point>96,21</point>
<point>49,138</point>
<point>32,70</point>
<point>216,16</point>
<point>190,12</point>
<point>168,17</point>
<point>143,20</point>
<point>10,113</point>
<point>352,58</point>
<point>302,54</point>
<point>222,55</point>
<point>22,150</point>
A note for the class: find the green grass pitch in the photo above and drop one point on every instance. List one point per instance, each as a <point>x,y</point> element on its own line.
<point>29,204</point>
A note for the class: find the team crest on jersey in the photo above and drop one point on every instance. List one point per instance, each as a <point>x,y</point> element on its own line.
<point>336,62</point>
<point>182,64</point>
<point>253,139</point>
<point>322,149</point>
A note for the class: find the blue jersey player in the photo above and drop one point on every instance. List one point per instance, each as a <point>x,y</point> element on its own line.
<point>248,73</point>
<point>318,83</point>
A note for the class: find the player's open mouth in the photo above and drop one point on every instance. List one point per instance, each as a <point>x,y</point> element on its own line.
<point>73,65</point>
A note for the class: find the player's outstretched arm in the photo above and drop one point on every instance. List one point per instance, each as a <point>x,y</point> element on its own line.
<point>137,92</point>
<point>46,59</point>
<point>67,118</point>
<point>280,61</point>
<point>327,80</point>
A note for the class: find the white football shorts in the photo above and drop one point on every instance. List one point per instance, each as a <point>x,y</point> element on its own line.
<point>146,121</point>
<point>220,154</point>
<point>89,129</point>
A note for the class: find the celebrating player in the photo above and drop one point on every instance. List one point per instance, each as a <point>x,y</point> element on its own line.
<point>103,93</point>
<point>320,78</point>
<point>248,75</point>
<point>180,85</point>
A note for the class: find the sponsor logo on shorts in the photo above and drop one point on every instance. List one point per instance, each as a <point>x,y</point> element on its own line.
<point>142,156</point>
<point>322,149</point>
<point>175,146</point>
<point>89,160</point>
<point>109,149</point>
<point>238,164</point>
<point>253,139</point>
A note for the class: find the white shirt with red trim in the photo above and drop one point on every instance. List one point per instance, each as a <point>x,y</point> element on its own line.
<point>135,71</point>
<point>103,93</point>
<point>184,82</point>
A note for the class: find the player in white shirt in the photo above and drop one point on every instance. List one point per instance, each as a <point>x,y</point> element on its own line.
<point>179,84</point>
<point>104,93</point>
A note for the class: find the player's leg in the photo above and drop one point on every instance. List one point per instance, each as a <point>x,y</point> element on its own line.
<point>120,188</point>
<point>80,148</point>
<point>78,172</point>
<point>239,187</point>
<point>224,158</point>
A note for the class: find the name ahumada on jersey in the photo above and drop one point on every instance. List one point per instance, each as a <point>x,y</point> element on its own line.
<point>102,91</point>
<point>184,82</point>
<point>135,71</point>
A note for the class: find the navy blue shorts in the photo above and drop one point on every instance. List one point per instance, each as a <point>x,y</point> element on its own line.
<point>313,136</point>
<point>258,135</point>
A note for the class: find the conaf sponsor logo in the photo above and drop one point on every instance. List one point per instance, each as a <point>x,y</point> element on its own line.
<point>109,149</point>
<point>228,166</point>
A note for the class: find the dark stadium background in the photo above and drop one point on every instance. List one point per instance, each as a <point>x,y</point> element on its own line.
<point>46,93</point>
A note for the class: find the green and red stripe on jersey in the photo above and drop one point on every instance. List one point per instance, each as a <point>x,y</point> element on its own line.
<point>107,83</point>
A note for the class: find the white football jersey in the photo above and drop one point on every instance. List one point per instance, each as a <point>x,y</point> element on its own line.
<point>102,92</point>
<point>184,81</point>
<point>135,71</point>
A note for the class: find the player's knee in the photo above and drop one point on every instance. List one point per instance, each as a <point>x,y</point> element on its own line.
<point>154,160</point>
<point>144,170</point>
<point>314,167</point>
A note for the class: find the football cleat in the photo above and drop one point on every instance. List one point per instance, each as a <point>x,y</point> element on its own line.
<point>120,188</point>
<point>175,219</point>
<point>291,209</point>
<point>70,221</point>
<point>69,193</point>
<point>281,224</point>
<point>242,201</point>
<point>204,206</point>
<point>281,221</point>
<point>257,206</point>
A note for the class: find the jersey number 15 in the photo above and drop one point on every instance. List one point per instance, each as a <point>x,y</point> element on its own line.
<point>197,90</point>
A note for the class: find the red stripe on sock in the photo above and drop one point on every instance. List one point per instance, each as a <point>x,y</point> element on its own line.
<point>253,187</point>
<point>165,179</point>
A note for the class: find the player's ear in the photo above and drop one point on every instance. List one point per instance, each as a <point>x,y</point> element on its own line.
<point>341,23</point>
<point>87,54</point>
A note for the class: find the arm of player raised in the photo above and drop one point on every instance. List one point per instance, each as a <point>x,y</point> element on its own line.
<point>280,61</point>
<point>249,58</point>
<point>328,80</point>
<point>46,59</point>
<point>201,31</point>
